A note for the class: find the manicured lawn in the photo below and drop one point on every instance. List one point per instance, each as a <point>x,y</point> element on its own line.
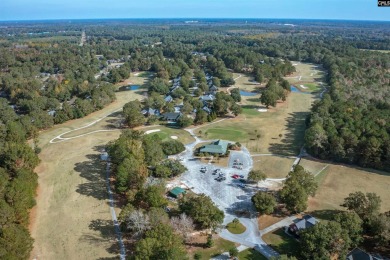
<point>235,228</point>
<point>220,246</point>
<point>231,134</point>
<point>281,242</point>
<point>165,134</point>
<point>250,254</point>
<point>312,86</point>
<point>250,111</point>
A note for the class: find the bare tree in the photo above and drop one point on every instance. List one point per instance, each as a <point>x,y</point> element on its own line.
<point>138,222</point>
<point>183,225</point>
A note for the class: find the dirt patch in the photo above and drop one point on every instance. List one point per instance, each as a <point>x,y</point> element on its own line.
<point>265,221</point>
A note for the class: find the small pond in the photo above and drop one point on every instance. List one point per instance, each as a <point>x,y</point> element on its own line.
<point>129,87</point>
<point>247,94</point>
<point>297,90</point>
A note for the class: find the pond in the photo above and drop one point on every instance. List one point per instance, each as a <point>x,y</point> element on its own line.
<point>247,94</point>
<point>129,87</point>
<point>297,90</point>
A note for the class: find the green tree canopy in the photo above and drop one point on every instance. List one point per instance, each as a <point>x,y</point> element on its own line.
<point>202,210</point>
<point>264,203</point>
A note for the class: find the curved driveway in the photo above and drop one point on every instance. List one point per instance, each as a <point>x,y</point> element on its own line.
<point>227,195</point>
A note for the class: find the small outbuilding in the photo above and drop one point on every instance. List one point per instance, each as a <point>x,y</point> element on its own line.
<point>177,192</point>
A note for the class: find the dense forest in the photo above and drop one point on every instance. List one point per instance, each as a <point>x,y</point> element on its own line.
<point>47,78</point>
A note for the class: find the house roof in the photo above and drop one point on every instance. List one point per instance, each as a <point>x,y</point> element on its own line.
<point>219,147</point>
<point>306,222</point>
<point>207,109</point>
<point>150,111</point>
<point>168,98</point>
<point>171,116</point>
<point>207,98</point>
<point>175,192</point>
<point>213,88</point>
<point>358,254</point>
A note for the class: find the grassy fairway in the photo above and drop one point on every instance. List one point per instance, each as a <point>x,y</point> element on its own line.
<point>231,134</point>
<point>337,181</point>
<point>72,218</point>
<point>273,166</point>
<point>235,228</point>
<point>250,254</point>
<point>281,242</point>
<point>307,74</point>
<point>165,133</point>
<point>287,119</point>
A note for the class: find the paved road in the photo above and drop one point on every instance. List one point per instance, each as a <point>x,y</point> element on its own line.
<point>227,195</point>
<point>118,232</point>
<point>250,238</point>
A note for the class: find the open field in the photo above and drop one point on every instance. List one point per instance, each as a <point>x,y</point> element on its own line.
<point>72,219</point>
<point>337,181</point>
<point>273,166</point>
<point>281,242</point>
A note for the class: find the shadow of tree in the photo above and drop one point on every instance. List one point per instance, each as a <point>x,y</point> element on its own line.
<point>93,170</point>
<point>106,235</point>
<point>325,214</point>
<point>294,138</point>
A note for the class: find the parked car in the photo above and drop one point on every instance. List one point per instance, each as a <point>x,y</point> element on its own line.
<point>241,185</point>
<point>242,176</point>
<point>235,176</point>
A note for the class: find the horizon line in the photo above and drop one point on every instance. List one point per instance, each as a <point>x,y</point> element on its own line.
<point>183,18</point>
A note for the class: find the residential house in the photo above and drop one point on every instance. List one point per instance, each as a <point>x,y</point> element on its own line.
<point>207,109</point>
<point>218,147</point>
<point>306,222</point>
<point>206,98</point>
<point>172,117</point>
<point>150,112</point>
<point>168,99</point>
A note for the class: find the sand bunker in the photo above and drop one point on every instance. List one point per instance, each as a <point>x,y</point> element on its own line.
<point>152,131</point>
<point>174,137</point>
<point>302,86</point>
<point>262,110</point>
<point>136,74</point>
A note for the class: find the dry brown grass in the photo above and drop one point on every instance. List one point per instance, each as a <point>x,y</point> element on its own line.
<point>273,166</point>
<point>265,221</point>
<point>312,166</point>
<point>338,181</point>
<point>72,217</point>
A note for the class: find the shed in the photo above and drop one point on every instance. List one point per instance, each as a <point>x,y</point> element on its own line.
<point>177,192</point>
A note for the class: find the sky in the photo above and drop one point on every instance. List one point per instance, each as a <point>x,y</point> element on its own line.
<point>90,9</point>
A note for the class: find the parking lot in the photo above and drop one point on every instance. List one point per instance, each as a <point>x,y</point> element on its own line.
<point>230,195</point>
